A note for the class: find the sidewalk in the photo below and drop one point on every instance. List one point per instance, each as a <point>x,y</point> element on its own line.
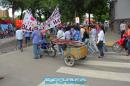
<point>111,38</point>
<point>6,40</point>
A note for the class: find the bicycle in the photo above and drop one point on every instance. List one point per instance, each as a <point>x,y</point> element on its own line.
<point>49,48</point>
<point>120,44</point>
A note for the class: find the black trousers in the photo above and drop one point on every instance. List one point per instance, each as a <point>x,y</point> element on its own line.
<point>100,47</point>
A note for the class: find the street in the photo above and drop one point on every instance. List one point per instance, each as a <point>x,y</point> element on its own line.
<point>20,69</point>
<point>96,28</point>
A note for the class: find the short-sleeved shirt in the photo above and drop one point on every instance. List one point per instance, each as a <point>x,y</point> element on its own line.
<point>19,34</point>
<point>67,35</point>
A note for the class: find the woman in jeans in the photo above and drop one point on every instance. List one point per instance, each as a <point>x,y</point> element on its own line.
<point>100,42</point>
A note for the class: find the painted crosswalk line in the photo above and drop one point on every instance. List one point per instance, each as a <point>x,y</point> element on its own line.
<point>117,57</point>
<point>107,64</point>
<point>95,74</point>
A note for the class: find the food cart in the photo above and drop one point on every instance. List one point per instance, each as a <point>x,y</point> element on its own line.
<point>74,51</point>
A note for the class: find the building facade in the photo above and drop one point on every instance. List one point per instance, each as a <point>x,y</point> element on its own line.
<point>120,11</point>
<point>4,13</point>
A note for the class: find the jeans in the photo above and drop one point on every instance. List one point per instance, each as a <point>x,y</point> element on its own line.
<point>36,51</point>
<point>27,39</point>
<point>20,42</point>
<point>93,43</point>
<point>100,47</point>
<point>61,49</point>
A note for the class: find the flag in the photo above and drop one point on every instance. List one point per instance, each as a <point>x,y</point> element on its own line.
<point>29,22</point>
<point>53,20</point>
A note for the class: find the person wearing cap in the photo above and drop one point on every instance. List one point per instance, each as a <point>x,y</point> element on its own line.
<point>36,40</point>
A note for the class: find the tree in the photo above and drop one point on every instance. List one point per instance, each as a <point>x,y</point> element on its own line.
<point>16,5</point>
<point>97,7</point>
<point>42,7</point>
<point>70,9</point>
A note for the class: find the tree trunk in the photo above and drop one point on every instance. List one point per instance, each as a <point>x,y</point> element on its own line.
<point>21,16</point>
<point>13,10</point>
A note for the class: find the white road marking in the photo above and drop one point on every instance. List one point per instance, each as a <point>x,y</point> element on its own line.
<point>121,57</point>
<point>107,64</point>
<point>95,73</point>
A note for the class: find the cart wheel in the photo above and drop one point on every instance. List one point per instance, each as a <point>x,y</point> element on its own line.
<point>69,60</point>
<point>52,52</point>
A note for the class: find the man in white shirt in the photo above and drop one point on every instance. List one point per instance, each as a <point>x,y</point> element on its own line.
<point>60,35</point>
<point>67,34</point>
<point>122,28</point>
<point>19,37</point>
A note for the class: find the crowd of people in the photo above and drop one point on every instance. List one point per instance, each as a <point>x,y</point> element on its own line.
<point>6,31</point>
<point>95,34</point>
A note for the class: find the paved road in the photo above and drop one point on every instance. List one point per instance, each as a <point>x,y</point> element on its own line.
<point>20,69</point>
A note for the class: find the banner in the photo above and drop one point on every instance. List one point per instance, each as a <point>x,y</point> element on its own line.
<point>29,22</point>
<point>53,20</point>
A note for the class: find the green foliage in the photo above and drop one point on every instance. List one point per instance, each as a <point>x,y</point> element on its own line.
<point>69,9</point>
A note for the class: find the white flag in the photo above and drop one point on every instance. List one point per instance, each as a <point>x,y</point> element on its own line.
<point>53,20</point>
<point>29,21</point>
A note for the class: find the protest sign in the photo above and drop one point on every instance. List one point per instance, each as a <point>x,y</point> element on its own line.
<point>29,22</point>
<point>53,20</point>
